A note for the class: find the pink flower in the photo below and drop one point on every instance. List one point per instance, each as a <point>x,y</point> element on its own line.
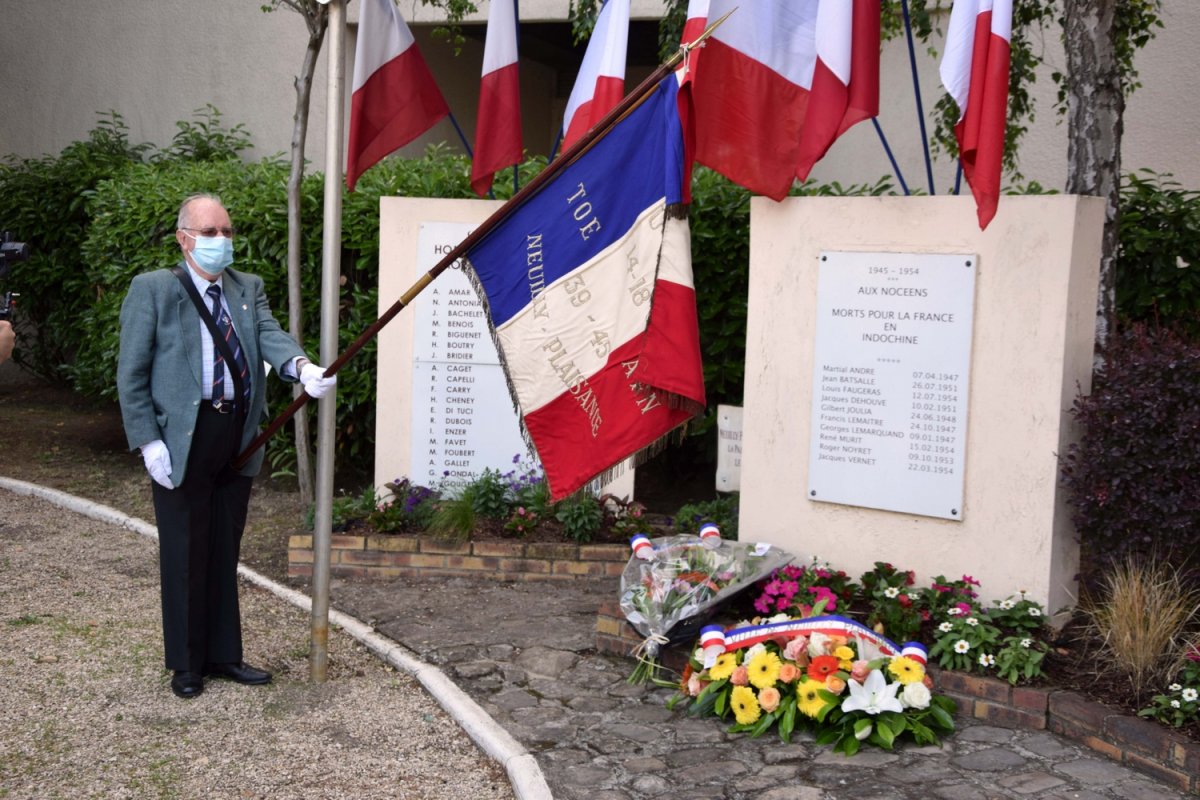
<point>860,670</point>
<point>795,647</point>
<point>769,698</point>
<point>963,608</point>
<point>695,686</point>
<point>740,677</point>
<point>821,593</point>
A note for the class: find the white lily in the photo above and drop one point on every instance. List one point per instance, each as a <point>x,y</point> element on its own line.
<point>874,696</point>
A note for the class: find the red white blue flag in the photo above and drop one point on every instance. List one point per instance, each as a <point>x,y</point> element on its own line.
<point>600,84</point>
<point>778,82</point>
<point>498,126</point>
<point>588,287</point>
<point>974,70</point>
<point>395,98</point>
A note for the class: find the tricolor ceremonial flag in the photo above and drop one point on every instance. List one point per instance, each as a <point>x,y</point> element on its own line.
<point>588,287</point>
<point>394,97</point>
<point>975,72</point>
<point>779,81</point>
<point>600,84</point>
<point>697,20</point>
<point>498,127</point>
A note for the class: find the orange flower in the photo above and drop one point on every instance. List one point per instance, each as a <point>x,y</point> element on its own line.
<point>788,672</point>
<point>835,684</point>
<point>768,698</point>
<point>822,667</point>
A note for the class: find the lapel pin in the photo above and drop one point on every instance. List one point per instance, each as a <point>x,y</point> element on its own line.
<point>245,307</point>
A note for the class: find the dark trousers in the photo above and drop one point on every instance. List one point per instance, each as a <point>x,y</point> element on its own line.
<point>200,526</point>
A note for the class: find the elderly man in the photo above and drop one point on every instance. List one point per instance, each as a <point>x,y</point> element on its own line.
<point>191,401</point>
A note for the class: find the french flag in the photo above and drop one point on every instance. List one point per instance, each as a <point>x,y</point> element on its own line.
<point>498,127</point>
<point>779,82</point>
<point>394,98</point>
<point>600,84</point>
<point>589,293</point>
<point>696,22</point>
<point>974,71</point>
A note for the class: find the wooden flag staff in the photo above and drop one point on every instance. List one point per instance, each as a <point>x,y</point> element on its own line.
<point>630,102</point>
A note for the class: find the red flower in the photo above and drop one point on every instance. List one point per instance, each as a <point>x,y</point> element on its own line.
<point>821,667</point>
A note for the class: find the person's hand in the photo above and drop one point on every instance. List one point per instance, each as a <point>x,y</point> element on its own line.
<point>7,339</point>
<point>158,462</point>
<point>315,382</point>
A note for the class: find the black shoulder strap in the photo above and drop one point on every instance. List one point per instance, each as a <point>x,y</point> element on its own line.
<point>218,340</point>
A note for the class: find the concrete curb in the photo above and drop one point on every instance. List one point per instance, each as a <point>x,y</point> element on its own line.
<point>524,774</point>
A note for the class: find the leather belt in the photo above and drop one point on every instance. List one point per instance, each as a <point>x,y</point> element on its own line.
<point>222,406</point>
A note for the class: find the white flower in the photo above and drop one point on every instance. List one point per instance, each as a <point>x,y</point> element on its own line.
<point>962,646</point>
<point>1027,643</point>
<point>891,592</point>
<point>954,612</point>
<point>698,655</point>
<point>1174,704</point>
<point>914,596</point>
<point>972,621</point>
<point>873,696</point>
<point>1006,604</point>
<point>1180,263</point>
<point>945,627</point>
<point>1190,695</point>
<point>818,645</point>
<point>1034,611</point>
<point>1174,687</point>
<point>753,652</point>
<point>915,695</point>
<point>987,660</point>
<point>783,617</point>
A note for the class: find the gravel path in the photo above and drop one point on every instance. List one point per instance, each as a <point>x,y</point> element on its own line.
<point>86,710</point>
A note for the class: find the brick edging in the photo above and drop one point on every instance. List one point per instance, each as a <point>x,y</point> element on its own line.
<point>402,556</point>
<point>1148,747</point>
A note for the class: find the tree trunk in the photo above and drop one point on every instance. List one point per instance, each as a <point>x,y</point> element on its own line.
<point>1095,107</point>
<point>316,17</point>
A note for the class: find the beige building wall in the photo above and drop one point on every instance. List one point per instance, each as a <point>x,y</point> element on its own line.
<point>156,62</point>
<point>1035,295</point>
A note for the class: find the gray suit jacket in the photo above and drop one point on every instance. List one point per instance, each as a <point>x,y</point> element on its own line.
<point>159,369</point>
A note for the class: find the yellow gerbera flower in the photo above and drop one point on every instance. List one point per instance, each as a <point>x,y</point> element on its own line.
<point>808,698</point>
<point>726,664</point>
<point>745,705</point>
<point>906,670</point>
<point>763,669</point>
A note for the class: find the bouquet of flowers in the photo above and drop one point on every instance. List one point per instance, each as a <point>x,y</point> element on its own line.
<point>672,584</point>
<point>829,674</point>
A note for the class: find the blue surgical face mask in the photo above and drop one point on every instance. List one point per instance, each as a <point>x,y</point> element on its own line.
<point>212,253</point>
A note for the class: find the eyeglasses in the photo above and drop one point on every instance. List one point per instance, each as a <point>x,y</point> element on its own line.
<point>210,232</point>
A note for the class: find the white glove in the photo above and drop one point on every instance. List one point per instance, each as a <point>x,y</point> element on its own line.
<point>158,463</point>
<point>315,382</point>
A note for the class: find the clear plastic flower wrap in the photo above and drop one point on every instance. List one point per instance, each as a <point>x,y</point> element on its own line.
<point>669,591</point>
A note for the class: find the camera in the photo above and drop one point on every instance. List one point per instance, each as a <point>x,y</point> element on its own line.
<point>10,253</point>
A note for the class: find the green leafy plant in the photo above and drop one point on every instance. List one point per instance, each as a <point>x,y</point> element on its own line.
<point>489,495</point>
<point>1180,704</point>
<point>722,512</point>
<point>409,509</point>
<point>581,516</point>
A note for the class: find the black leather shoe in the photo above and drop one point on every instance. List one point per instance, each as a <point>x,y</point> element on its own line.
<point>240,672</point>
<point>187,684</point>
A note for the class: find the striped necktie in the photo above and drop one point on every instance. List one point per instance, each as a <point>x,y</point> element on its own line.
<point>225,328</point>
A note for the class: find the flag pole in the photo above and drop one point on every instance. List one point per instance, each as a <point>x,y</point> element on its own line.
<point>569,156</point>
<point>912,62</point>
<point>331,252</point>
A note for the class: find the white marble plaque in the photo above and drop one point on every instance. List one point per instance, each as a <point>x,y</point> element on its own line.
<point>890,381</point>
<point>463,419</point>
<point>729,448</point>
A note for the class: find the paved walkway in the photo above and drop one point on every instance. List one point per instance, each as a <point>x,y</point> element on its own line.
<point>523,653</point>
